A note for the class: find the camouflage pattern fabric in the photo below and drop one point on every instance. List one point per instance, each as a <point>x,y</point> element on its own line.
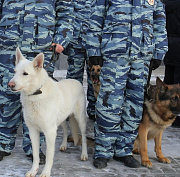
<point>10,107</point>
<point>128,34</point>
<point>76,51</point>
<point>32,25</point>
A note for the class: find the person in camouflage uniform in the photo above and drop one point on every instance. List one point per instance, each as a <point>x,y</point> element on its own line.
<point>76,51</point>
<point>128,34</point>
<point>33,26</point>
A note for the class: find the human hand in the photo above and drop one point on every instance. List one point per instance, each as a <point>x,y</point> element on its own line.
<point>59,48</point>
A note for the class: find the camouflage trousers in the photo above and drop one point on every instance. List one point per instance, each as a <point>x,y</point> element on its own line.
<point>119,105</point>
<point>77,61</point>
<point>10,107</point>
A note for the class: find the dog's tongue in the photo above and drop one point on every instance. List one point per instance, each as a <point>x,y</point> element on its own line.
<point>95,81</point>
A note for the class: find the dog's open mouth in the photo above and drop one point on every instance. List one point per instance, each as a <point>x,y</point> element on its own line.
<point>95,81</point>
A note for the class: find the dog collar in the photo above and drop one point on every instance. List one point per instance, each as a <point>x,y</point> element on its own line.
<point>37,92</point>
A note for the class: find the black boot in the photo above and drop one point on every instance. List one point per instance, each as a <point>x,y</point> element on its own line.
<point>129,161</point>
<point>41,156</point>
<point>3,153</point>
<point>100,162</point>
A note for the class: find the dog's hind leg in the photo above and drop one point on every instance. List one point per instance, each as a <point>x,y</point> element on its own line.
<point>34,135</point>
<point>74,129</point>
<point>81,119</point>
<point>50,142</point>
<point>82,127</point>
<point>158,149</point>
<point>63,146</point>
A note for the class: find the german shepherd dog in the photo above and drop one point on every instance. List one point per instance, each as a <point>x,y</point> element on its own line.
<point>94,74</point>
<point>159,112</point>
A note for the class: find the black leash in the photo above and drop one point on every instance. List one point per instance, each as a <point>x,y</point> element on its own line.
<point>150,72</point>
<point>148,80</point>
<point>54,58</point>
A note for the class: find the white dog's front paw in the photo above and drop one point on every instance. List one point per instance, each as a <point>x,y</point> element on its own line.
<point>31,173</point>
<point>84,157</point>
<point>63,146</point>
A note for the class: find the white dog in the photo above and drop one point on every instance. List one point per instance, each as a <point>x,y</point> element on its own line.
<point>46,105</point>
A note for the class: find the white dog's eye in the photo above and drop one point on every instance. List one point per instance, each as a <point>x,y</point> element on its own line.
<point>25,73</point>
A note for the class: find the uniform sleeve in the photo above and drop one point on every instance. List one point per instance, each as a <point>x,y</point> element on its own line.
<point>64,22</point>
<point>94,33</point>
<point>160,33</point>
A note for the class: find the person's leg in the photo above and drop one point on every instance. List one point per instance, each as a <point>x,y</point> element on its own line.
<point>104,146</point>
<point>132,113</point>
<point>109,108</point>
<point>10,106</point>
<point>176,123</point>
<point>169,74</point>
<point>176,74</point>
<point>76,63</point>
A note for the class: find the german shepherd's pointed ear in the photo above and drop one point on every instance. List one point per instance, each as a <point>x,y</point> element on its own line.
<point>38,61</point>
<point>19,55</point>
<point>161,86</point>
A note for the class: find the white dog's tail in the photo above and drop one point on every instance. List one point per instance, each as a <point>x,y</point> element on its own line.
<point>74,129</point>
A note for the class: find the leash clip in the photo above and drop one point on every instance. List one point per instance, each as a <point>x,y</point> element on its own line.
<point>55,55</point>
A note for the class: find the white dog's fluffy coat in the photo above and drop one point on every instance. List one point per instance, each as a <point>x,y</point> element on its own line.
<point>44,112</point>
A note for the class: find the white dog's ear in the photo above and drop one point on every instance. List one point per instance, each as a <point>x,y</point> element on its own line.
<point>38,61</point>
<point>19,55</point>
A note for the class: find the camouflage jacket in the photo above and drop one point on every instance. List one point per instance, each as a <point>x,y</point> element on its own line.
<point>82,11</point>
<point>35,24</point>
<point>117,25</point>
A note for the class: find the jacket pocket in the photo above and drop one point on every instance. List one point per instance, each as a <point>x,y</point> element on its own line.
<point>114,43</point>
<point>9,29</point>
<point>44,33</point>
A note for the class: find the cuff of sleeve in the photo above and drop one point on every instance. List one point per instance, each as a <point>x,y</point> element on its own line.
<point>61,41</point>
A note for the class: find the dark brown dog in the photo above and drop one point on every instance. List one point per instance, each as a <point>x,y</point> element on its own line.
<point>94,74</point>
<point>159,113</point>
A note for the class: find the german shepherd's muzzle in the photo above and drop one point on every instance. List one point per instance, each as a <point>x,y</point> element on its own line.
<point>94,74</point>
